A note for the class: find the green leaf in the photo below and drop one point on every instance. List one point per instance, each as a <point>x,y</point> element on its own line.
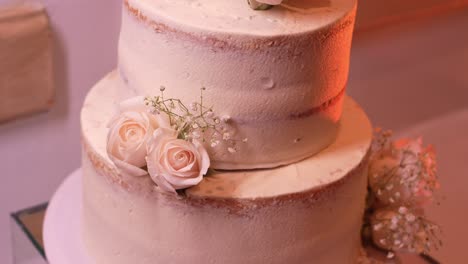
<point>258,6</point>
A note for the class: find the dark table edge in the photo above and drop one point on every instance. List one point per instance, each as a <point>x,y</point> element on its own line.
<point>30,210</point>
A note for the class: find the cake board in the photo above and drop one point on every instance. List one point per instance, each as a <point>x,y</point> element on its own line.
<point>62,224</point>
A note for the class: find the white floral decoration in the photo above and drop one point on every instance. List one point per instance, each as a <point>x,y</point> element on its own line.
<point>163,138</point>
<point>176,164</point>
<point>404,228</point>
<point>402,171</point>
<point>402,181</point>
<point>130,131</point>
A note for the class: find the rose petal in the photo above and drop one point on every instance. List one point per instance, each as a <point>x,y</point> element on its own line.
<point>137,158</point>
<point>183,183</point>
<point>128,169</point>
<point>189,167</point>
<point>176,162</point>
<point>164,185</point>
<point>152,161</point>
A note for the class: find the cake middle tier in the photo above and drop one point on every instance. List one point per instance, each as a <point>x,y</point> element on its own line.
<point>307,212</point>
<point>281,83</point>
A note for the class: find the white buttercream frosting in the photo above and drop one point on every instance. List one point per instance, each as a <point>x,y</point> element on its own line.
<point>306,212</point>
<point>331,164</point>
<point>235,16</point>
<point>280,74</point>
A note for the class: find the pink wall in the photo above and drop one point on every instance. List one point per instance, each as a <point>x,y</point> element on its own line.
<point>37,152</point>
<point>375,13</point>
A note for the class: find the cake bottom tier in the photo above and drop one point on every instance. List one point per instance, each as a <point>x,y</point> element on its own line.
<point>306,212</point>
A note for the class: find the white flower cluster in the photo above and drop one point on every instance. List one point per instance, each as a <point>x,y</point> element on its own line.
<point>196,121</point>
<point>404,228</point>
<point>402,171</point>
<point>402,181</point>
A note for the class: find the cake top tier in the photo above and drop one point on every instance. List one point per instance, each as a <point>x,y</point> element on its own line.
<point>276,77</point>
<point>236,17</point>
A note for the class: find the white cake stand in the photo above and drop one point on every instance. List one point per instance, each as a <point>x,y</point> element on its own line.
<point>62,224</point>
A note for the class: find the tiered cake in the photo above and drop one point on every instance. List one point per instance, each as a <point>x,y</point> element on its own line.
<point>293,193</point>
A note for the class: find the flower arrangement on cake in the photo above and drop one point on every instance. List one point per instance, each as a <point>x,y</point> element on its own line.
<point>164,138</point>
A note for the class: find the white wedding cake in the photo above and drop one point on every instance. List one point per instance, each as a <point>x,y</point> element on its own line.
<point>225,135</point>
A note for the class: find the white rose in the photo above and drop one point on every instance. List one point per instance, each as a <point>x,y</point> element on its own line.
<point>176,164</point>
<point>129,133</point>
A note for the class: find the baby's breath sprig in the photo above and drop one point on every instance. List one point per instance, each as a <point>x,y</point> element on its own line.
<point>382,143</point>
<point>404,228</point>
<point>402,181</point>
<point>407,172</point>
<point>195,121</point>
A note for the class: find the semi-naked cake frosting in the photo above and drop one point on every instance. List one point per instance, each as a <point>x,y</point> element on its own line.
<point>265,70</point>
<point>294,193</point>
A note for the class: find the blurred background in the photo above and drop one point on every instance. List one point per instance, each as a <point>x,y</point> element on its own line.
<point>409,70</point>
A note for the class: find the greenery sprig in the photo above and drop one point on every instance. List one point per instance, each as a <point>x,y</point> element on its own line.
<point>258,6</point>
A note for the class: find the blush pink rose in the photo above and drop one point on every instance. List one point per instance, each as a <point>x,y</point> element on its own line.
<point>176,164</point>
<point>129,133</point>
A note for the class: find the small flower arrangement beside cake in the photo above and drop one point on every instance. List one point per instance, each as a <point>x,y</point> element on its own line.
<point>402,182</point>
